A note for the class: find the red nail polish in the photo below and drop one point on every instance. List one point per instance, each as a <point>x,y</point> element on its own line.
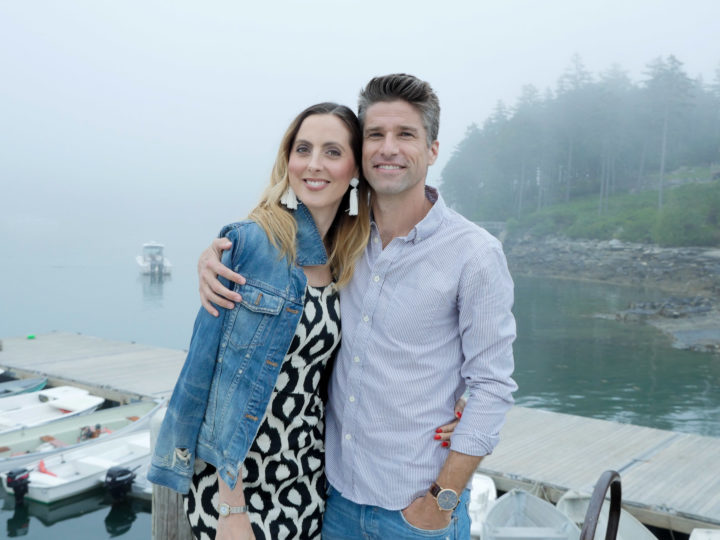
<point>459,414</point>
<point>445,444</point>
<point>438,430</point>
<point>437,437</point>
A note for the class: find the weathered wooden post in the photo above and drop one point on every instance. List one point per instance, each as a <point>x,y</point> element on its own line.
<point>169,521</point>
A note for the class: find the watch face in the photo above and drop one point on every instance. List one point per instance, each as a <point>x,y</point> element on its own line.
<point>224,510</point>
<point>447,499</point>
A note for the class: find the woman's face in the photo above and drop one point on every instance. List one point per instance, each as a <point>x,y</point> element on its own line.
<point>321,163</point>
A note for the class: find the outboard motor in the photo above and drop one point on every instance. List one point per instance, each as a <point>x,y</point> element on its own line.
<point>18,480</point>
<point>118,482</point>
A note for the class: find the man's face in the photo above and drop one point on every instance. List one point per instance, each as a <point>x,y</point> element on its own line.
<point>395,150</point>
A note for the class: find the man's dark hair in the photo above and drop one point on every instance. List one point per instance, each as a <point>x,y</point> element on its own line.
<point>400,86</point>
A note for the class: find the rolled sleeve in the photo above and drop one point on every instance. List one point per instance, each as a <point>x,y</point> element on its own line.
<point>487,331</point>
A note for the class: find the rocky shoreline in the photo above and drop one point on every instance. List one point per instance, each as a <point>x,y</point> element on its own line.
<point>690,277</point>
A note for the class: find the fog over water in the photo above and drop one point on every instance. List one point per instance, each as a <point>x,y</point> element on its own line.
<point>134,121</point>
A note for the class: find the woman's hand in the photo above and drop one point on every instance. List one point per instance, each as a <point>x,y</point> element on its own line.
<point>234,527</point>
<point>443,433</point>
<point>209,267</point>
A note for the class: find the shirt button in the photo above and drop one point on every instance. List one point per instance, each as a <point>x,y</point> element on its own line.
<point>376,239</point>
<point>356,359</point>
<point>348,436</point>
<point>366,318</point>
<point>351,398</point>
<point>376,279</point>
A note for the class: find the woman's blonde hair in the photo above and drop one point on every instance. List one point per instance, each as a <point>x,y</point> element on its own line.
<point>348,235</point>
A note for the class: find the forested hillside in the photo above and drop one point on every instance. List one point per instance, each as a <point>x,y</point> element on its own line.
<point>591,139</point>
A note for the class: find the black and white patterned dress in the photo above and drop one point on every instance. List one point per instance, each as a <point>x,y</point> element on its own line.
<point>283,472</point>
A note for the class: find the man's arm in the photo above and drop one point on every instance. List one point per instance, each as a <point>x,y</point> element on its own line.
<point>487,331</point>
<point>209,267</point>
<point>424,513</point>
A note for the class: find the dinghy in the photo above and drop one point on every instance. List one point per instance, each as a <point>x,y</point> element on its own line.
<point>20,386</point>
<point>575,505</point>
<point>23,446</point>
<point>36,408</point>
<point>81,469</point>
<point>518,514</point>
<point>483,494</point>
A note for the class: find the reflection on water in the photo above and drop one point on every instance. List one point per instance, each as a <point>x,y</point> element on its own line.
<point>569,360</point>
<point>152,288</point>
<point>31,519</point>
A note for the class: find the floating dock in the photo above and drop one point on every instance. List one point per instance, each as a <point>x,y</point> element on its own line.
<point>669,479</point>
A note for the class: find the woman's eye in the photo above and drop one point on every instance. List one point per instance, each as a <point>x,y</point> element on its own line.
<point>334,153</point>
<point>302,149</point>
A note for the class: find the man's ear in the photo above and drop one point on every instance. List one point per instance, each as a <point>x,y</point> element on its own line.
<point>433,152</point>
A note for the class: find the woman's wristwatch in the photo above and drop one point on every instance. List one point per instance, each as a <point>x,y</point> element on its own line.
<point>225,510</point>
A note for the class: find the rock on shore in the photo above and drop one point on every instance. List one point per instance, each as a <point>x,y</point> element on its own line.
<point>691,275</point>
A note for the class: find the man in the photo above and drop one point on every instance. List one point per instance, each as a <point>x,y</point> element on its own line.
<point>427,315</point>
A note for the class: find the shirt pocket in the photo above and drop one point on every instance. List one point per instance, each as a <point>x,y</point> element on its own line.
<point>414,314</point>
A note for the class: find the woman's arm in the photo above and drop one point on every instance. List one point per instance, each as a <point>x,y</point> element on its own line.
<point>234,526</point>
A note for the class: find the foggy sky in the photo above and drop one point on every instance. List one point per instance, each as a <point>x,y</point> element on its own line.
<point>122,122</point>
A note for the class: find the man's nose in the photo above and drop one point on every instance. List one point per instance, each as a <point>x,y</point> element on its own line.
<point>389,146</point>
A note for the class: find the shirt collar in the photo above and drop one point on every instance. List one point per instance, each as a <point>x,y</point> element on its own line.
<point>432,220</point>
<point>309,244</point>
<point>427,225</point>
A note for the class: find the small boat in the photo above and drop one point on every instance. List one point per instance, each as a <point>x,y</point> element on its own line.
<point>81,469</point>
<point>36,408</point>
<point>575,505</point>
<point>19,447</point>
<point>483,494</point>
<point>153,261</point>
<point>20,386</point>
<point>518,514</point>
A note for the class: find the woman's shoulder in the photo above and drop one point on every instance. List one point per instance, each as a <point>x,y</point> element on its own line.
<point>246,230</point>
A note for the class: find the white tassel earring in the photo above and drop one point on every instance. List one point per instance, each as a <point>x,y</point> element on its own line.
<point>353,210</point>
<point>289,199</point>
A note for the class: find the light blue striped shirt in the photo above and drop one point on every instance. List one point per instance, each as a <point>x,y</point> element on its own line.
<point>422,320</point>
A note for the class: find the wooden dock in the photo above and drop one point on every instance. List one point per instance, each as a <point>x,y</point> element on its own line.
<point>669,480</point>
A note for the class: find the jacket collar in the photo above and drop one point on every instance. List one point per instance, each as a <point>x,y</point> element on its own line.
<point>309,244</point>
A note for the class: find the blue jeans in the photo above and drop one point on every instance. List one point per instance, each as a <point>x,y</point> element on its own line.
<point>346,520</point>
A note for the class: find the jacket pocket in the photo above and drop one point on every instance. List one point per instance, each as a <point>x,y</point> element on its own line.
<point>252,314</point>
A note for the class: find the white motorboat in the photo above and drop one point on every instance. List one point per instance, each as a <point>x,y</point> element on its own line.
<point>518,514</point>
<point>153,261</point>
<point>81,469</point>
<point>483,494</point>
<point>36,408</point>
<point>22,446</point>
<point>575,505</point>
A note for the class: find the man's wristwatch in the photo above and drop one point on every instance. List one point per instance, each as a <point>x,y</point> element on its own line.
<point>225,510</point>
<point>447,499</point>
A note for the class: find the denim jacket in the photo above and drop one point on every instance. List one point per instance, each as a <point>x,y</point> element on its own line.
<point>234,360</point>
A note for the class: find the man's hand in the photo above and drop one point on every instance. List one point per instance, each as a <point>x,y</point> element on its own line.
<point>425,514</point>
<point>234,527</point>
<point>211,290</point>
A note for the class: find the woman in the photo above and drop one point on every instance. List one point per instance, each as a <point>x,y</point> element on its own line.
<point>244,427</point>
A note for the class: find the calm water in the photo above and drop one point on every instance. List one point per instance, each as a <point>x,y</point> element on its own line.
<point>567,360</point>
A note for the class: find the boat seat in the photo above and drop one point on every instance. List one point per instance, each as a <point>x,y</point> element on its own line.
<point>527,533</point>
<point>97,462</point>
